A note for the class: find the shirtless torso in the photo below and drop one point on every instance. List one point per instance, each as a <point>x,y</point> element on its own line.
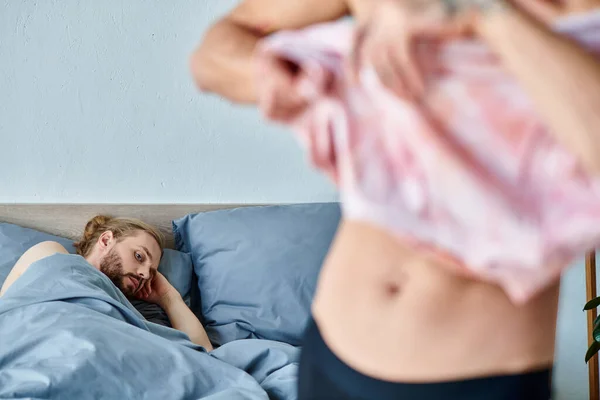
<point>392,313</point>
<point>385,309</point>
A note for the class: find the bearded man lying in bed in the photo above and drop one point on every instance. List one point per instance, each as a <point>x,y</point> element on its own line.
<point>128,252</point>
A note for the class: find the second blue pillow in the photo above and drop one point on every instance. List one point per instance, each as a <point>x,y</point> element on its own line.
<point>257,267</point>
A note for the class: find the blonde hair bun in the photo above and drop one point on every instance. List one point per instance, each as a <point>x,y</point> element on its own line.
<point>120,227</point>
<point>94,225</point>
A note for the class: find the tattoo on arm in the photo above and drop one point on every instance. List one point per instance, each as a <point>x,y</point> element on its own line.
<point>455,7</point>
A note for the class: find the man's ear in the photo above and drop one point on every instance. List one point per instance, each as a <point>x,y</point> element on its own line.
<point>105,241</point>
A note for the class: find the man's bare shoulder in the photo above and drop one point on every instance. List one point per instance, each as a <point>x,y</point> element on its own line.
<point>45,249</point>
<point>38,252</point>
<point>35,253</point>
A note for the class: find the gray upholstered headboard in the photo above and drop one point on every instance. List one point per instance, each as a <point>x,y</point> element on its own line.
<point>69,220</point>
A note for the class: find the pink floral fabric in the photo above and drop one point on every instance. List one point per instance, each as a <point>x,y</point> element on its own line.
<point>471,173</point>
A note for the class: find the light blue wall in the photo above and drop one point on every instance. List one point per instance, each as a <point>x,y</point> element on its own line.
<point>96,105</point>
<point>571,374</point>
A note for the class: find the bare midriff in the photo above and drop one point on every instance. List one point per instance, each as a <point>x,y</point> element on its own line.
<point>393,313</point>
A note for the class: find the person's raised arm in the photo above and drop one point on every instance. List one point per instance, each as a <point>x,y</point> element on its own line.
<point>184,320</point>
<point>223,63</point>
<point>561,77</point>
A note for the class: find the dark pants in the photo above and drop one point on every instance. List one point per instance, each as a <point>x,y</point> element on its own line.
<point>323,376</point>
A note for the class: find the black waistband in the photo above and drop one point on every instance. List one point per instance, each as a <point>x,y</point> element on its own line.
<point>318,357</point>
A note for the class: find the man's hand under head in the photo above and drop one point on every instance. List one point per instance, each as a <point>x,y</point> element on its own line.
<point>158,290</point>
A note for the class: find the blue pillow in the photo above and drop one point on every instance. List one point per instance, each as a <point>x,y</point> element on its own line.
<point>16,240</point>
<point>257,267</point>
<point>177,267</point>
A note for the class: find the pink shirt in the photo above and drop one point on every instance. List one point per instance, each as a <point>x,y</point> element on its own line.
<point>472,172</point>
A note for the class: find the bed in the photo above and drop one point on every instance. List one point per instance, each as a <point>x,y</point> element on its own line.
<point>248,272</point>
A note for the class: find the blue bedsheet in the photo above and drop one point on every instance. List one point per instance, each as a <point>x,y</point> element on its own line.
<point>67,332</point>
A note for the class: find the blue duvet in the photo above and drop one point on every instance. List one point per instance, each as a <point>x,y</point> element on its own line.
<point>67,332</point>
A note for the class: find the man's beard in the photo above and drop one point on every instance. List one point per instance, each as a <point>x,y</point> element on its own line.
<point>112,266</point>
